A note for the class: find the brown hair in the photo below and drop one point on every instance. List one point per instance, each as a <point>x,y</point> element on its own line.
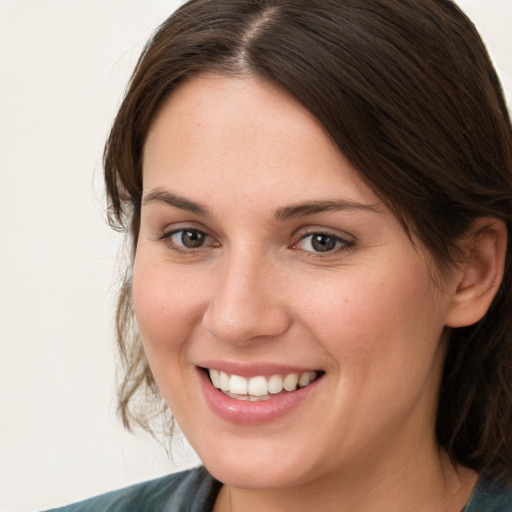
<point>407,91</point>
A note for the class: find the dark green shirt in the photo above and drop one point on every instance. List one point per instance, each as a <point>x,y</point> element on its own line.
<point>490,496</point>
<point>196,490</point>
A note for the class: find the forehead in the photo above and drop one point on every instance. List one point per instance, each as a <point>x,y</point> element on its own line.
<point>244,131</point>
<point>212,108</point>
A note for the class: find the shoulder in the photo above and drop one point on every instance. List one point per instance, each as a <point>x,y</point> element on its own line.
<point>490,496</point>
<point>194,490</point>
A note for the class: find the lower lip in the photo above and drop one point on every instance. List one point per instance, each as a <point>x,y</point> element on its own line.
<point>252,413</point>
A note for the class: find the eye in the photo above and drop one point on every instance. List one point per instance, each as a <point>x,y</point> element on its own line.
<point>188,240</point>
<point>321,243</point>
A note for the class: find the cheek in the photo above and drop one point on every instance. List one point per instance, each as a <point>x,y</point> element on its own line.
<point>168,305</point>
<point>168,309</point>
<point>377,321</point>
<point>383,333</point>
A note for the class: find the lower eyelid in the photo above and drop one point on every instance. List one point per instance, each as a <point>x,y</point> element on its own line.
<point>340,241</point>
<point>210,242</point>
<point>167,239</point>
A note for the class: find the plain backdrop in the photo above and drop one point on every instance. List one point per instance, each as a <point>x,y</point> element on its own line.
<point>63,68</point>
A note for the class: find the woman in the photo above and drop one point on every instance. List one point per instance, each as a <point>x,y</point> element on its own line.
<point>318,194</point>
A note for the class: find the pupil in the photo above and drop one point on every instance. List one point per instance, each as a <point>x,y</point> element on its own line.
<point>192,239</point>
<point>323,243</point>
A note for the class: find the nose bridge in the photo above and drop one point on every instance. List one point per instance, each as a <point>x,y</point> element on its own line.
<point>245,303</point>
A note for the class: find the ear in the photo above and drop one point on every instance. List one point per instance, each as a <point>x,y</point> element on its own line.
<point>481,272</point>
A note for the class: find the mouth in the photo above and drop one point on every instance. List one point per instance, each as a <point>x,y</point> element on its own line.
<point>257,394</point>
<point>261,387</point>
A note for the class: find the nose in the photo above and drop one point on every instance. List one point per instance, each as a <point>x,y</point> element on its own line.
<point>247,302</point>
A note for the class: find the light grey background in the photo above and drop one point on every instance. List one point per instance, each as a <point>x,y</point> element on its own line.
<point>63,67</point>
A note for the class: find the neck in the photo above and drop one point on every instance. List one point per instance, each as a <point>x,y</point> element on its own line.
<point>422,486</point>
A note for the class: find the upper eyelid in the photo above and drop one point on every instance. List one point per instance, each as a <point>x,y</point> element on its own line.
<point>339,239</point>
<point>182,226</point>
<point>324,232</point>
<point>312,230</point>
<point>171,232</point>
<point>295,237</point>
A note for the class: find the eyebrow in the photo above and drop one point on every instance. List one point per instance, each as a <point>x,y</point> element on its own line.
<point>162,196</point>
<point>159,195</point>
<point>313,207</point>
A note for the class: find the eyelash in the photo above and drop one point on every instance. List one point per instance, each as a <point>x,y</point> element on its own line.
<point>167,238</point>
<point>340,242</point>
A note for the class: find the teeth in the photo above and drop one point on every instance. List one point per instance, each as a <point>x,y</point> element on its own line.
<point>275,384</point>
<point>306,378</point>
<point>215,377</point>
<point>290,382</point>
<point>248,398</point>
<point>259,388</point>
<point>238,385</point>
<point>224,381</point>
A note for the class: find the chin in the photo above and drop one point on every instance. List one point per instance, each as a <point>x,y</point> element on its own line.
<point>257,467</point>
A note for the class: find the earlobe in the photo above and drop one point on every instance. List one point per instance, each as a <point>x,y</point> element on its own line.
<point>481,274</point>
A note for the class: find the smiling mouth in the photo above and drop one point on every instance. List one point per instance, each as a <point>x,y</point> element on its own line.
<point>260,388</point>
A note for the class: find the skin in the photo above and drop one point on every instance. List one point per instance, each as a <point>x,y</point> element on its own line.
<point>256,291</point>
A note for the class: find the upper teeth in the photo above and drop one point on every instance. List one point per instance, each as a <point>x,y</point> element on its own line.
<point>260,386</point>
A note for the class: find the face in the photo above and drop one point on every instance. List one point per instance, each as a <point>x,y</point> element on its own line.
<point>264,261</point>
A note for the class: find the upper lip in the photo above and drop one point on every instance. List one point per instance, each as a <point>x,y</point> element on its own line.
<point>249,370</point>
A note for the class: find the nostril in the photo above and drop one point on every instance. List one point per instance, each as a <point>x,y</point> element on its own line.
<point>238,327</point>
